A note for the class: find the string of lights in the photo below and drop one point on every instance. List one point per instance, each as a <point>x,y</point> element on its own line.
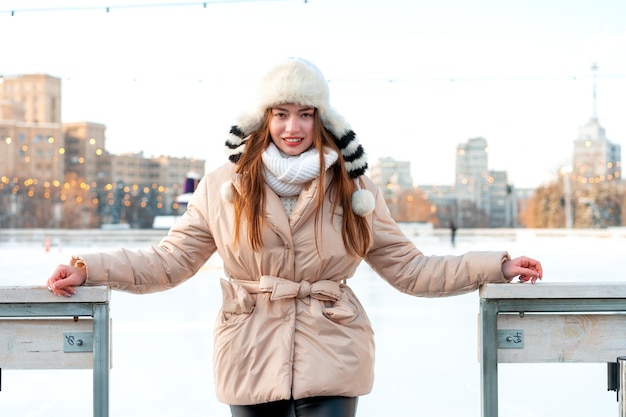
<point>477,79</point>
<point>111,7</point>
<point>356,80</point>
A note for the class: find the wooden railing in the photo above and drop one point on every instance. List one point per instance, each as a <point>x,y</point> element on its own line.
<point>548,323</point>
<point>41,331</point>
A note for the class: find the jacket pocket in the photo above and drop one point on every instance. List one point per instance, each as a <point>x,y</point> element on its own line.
<point>236,301</point>
<point>342,311</point>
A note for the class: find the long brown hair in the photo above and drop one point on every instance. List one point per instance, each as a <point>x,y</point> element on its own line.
<point>250,203</point>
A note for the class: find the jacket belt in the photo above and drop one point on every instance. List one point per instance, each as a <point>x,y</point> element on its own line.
<point>281,288</point>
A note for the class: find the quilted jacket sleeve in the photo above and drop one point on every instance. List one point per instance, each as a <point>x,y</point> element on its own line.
<point>179,255</point>
<point>396,259</point>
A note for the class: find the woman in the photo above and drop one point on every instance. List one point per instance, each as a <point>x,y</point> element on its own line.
<point>292,216</point>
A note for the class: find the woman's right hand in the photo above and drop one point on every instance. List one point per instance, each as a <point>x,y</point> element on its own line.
<point>65,278</point>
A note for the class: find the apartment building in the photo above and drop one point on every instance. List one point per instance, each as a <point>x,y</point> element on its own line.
<point>31,133</point>
<point>596,158</point>
<point>38,149</point>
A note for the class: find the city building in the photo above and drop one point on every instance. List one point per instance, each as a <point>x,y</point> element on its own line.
<point>31,134</point>
<point>84,150</point>
<point>480,197</point>
<point>596,159</point>
<point>391,176</point>
<point>472,171</point>
<point>406,203</point>
<point>444,200</point>
<point>43,158</point>
<point>500,204</point>
<point>484,197</point>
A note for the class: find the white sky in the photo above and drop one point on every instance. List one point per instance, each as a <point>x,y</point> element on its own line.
<point>414,78</point>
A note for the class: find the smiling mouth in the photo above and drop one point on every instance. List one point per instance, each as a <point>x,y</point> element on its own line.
<point>292,140</point>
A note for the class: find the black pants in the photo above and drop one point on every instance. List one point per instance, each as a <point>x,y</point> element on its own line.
<point>307,407</point>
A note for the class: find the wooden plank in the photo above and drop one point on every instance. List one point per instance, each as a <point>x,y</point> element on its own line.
<point>39,344</point>
<point>554,290</point>
<point>565,338</point>
<point>41,294</point>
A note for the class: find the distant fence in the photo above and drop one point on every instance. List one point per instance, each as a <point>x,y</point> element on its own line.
<point>100,236</point>
<point>80,236</point>
<point>422,229</point>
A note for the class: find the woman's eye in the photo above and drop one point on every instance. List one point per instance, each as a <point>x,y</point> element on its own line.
<point>307,115</point>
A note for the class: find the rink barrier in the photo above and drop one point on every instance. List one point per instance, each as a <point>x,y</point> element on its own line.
<point>82,237</point>
<point>39,330</point>
<point>98,237</point>
<point>548,323</point>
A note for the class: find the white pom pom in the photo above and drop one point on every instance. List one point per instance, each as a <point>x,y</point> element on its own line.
<point>226,191</point>
<point>363,202</point>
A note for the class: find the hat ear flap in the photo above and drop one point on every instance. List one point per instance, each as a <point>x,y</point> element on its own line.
<point>235,144</point>
<point>353,154</point>
<point>237,138</point>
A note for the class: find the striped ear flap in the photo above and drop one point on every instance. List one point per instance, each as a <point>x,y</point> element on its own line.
<point>353,154</point>
<point>235,144</point>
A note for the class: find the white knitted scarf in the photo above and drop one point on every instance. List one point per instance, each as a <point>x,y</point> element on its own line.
<point>287,175</point>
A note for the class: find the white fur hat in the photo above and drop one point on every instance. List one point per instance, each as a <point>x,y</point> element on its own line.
<point>298,81</point>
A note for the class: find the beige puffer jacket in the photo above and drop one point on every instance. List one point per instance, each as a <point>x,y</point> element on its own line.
<point>289,324</point>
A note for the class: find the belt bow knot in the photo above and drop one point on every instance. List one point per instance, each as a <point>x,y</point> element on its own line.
<point>280,288</point>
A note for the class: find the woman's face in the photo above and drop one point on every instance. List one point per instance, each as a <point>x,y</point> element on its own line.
<point>291,128</point>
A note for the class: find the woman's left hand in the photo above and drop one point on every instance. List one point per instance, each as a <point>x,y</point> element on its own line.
<point>527,269</point>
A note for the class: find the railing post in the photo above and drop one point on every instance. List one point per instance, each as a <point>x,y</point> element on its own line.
<point>621,385</point>
<point>101,360</point>
<point>489,358</point>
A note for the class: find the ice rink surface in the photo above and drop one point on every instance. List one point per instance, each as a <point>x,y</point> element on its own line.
<point>426,348</point>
